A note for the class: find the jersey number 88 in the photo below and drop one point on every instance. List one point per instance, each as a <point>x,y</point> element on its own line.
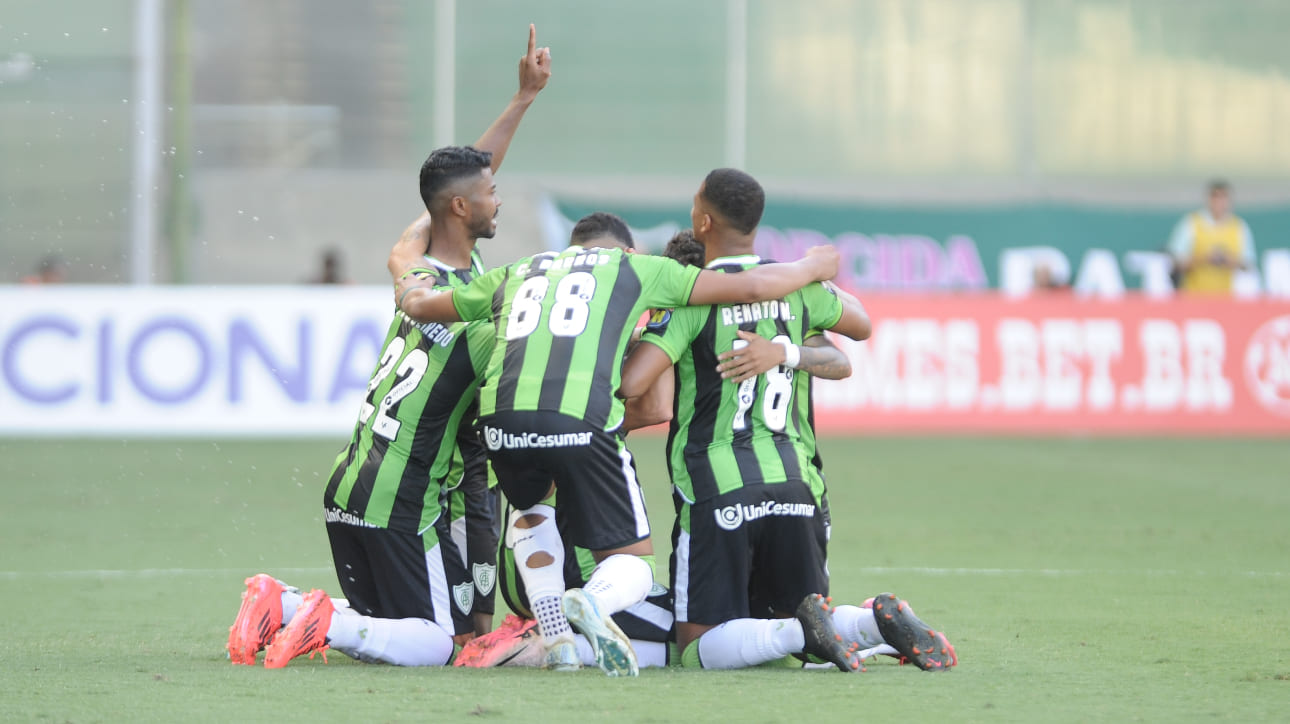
<point>569,312</point>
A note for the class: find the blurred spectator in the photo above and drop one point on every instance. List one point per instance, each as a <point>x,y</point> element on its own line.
<point>51,270</point>
<point>1209,245</point>
<point>1045,281</point>
<point>331,269</point>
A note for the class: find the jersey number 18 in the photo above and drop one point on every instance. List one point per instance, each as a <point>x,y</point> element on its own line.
<point>775,397</point>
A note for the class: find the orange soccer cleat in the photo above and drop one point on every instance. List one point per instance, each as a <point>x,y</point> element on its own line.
<point>515,643</point>
<point>257,620</point>
<point>306,634</point>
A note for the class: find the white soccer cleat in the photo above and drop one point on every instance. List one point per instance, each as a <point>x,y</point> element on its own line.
<point>562,655</point>
<point>614,653</point>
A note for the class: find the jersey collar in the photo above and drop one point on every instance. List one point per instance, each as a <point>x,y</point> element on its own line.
<point>440,265</point>
<point>745,259</point>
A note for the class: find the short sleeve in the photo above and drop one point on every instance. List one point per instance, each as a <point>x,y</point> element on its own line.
<point>674,335</point>
<point>1247,244</point>
<point>1180,241</point>
<point>664,282</point>
<point>823,306</point>
<point>475,300</point>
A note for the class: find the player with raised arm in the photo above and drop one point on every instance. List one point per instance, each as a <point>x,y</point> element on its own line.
<point>384,499</point>
<point>551,417</point>
<point>751,528</point>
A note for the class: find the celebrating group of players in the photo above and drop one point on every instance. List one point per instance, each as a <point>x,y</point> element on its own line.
<point>536,371</point>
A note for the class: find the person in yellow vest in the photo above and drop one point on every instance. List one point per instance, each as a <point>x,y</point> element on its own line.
<point>1210,245</point>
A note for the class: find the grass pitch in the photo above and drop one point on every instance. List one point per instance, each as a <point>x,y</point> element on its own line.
<point>1080,580</point>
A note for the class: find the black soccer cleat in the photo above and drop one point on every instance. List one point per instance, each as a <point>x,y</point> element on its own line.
<point>918,643</point>
<point>822,638</point>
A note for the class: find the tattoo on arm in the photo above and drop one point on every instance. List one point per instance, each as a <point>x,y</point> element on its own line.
<point>823,360</point>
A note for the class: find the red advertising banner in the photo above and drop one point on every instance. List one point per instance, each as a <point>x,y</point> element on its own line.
<point>1056,364</point>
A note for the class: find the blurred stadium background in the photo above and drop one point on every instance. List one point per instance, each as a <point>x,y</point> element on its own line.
<point>284,128</point>
<point>957,152</point>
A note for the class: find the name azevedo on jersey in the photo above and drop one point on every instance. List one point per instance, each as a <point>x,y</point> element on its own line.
<point>434,332</point>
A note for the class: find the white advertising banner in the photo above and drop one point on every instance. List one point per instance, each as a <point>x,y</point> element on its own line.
<point>176,361</point>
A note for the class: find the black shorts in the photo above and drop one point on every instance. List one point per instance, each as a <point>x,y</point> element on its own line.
<point>474,509</point>
<point>591,468</point>
<point>392,574</point>
<point>649,620</point>
<point>763,543</point>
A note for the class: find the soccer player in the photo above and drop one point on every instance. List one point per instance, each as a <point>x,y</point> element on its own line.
<point>393,553</point>
<point>647,624</point>
<point>751,530</point>
<point>551,418</point>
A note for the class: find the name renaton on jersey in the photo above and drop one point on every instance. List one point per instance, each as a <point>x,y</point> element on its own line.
<point>733,516</point>
<point>741,313</point>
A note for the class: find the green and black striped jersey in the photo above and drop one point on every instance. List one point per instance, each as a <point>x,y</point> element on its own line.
<point>402,447</point>
<point>562,321</point>
<point>724,436</point>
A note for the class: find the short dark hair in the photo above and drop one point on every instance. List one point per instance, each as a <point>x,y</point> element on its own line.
<point>599,224</point>
<point>736,196</point>
<point>683,247</point>
<point>448,165</point>
<point>1219,185</point>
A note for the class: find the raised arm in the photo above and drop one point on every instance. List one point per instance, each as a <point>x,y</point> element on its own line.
<point>535,71</point>
<point>766,282</point>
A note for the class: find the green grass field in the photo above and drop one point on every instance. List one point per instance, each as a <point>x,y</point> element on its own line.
<point>1080,580</point>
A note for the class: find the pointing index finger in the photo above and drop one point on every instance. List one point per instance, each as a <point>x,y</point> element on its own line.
<point>532,38</point>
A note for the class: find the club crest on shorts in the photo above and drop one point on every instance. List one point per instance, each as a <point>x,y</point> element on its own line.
<point>463,594</point>
<point>485,575</point>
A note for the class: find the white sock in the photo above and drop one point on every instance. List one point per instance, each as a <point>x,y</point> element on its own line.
<point>544,584</point>
<point>620,582</point>
<point>291,600</point>
<point>398,641</point>
<point>857,624</point>
<point>750,641</point>
<point>648,653</point>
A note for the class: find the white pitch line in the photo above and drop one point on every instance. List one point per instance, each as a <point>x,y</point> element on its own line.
<point>149,572</point>
<point>1067,572</point>
<point>879,570</point>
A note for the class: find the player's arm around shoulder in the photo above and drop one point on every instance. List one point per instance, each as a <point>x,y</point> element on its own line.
<point>854,322</point>
<point>422,301</point>
<point>766,282</point>
<point>408,254</point>
<point>427,303</point>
